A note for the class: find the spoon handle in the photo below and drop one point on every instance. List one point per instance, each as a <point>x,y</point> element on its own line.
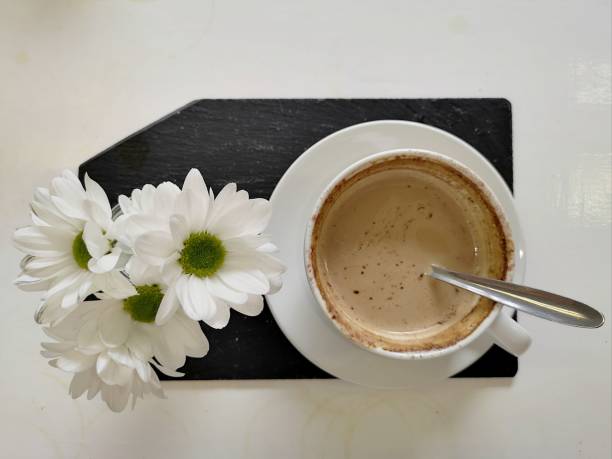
<point>530,300</point>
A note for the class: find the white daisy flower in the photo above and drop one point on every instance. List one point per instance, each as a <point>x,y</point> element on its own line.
<point>211,253</point>
<point>111,345</point>
<point>71,246</point>
<point>146,209</point>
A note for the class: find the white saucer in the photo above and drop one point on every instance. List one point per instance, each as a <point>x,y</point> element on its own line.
<point>294,307</point>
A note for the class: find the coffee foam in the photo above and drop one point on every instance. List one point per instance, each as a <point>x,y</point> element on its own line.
<point>396,306</point>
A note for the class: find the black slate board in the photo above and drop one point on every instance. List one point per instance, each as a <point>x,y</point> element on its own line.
<point>252,142</point>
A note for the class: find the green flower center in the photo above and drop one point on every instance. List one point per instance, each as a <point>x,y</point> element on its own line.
<point>143,306</point>
<point>79,251</point>
<point>202,255</point>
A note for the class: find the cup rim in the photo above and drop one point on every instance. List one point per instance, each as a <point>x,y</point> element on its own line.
<point>511,272</point>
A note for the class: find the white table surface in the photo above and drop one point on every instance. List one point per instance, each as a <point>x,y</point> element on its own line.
<point>78,75</point>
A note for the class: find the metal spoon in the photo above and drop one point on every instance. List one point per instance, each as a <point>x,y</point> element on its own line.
<point>530,300</point>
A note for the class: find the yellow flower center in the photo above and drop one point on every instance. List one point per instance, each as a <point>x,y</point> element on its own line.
<point>143,306</point>
<point>80,252</point>
<point>202,254</point>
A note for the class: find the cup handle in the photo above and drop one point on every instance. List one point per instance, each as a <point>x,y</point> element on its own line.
<point>509,335</point>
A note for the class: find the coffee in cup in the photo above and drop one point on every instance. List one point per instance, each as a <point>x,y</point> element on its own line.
<point>377,231</point>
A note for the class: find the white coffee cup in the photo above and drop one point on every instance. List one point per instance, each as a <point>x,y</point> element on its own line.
<point>504,331</point>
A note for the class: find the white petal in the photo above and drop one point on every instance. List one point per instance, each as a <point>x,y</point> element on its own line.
<point>171,270</point>
<point>68,189</point>
<point>37,220</point>
<point>80,383</point>
<point>86,288</point>
<point>70,185</point>
<point>166,195</point>
<point>49,312</point>
<point>252,307</point>
<point>68,328</point>
<point>270,265</point>
<point>106,263</point>
<point>155,386</point>
<point>97,244</point>
<point>52,216</point>
<point>66,282</point>
<point>251,281</point>
<point>39,241</point>
<point>57,348</point>
<point>252,260</point>
<point>231,223</point>
<point>193,208</point>
<point>192,336</point>
<point>116,397</point>
<point>267,247</point>
<point>276,282</point>
<point>43,267</point>
<point>138,224</point>
<point>31,236</point>
<point>195,182</point>
<point>98,214</point>
<point>96,194</point>
<point>259,216</point>
<point>25,261</point>
<point>75,361</point>
<point>115,325</point>
<point>154,247</point>
<point>179,230</point>
<point>217,288</point>
<point>139,344</point>
<point>194,298</point>
<point>94,388</point>
<point>141,273</point>
<point>52,274</point>
<point>167,307</point>
<point>182,292</point>
<point>199,294</point>
<point>250,243</point>
<point>88,339</point>
<point>226,201</point>
<point>167,371</point>
<point>114,284</point>
<point>71,296</point>
<point>225,196</point>
<point>221,316</point>
<point>32,284</point>
<point>169,350</point>
<point>144,371</point>
<point>111,372</point>
<point>76,210</point>
<point>125,204</point>
<point>167,357</point>
<point>37,252</point>
<point>121,355</point>
<point>45,237</point>
<point>147,198</point>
